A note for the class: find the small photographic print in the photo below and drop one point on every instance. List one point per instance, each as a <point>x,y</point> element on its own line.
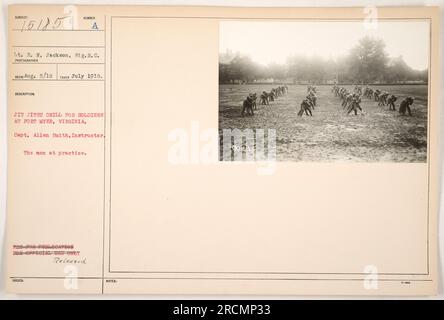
<point>324,91</point>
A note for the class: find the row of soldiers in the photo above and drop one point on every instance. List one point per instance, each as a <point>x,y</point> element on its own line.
<point>309,103</point>
<point>351,101</point>
<point>384,98</point>
<point>267,97</point>
<point>250,103</point>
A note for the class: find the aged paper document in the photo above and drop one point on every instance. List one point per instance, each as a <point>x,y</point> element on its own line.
<point>211,150</point>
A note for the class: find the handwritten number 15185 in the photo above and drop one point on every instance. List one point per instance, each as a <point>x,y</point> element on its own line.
<point>59,23</point>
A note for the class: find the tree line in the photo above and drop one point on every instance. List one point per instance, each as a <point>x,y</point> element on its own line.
<point>367,62</point>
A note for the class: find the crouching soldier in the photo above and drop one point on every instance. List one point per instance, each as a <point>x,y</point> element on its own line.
<point>354,104</point>
<point>305,107</point>
<point>383,99</point>
<point>405,106</point>
<point>312,98</point>
<point>376,94</point>
<point>247,106</point>
<point>264,98</point>
<point>391,102</point>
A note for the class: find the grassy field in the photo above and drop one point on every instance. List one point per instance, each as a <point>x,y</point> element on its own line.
<point>375,135</point>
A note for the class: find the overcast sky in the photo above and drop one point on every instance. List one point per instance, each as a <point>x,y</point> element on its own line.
<point>273,42</point>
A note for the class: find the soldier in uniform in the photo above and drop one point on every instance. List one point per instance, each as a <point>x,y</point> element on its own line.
<point>305,107</point>
<point>264,98</point>
<point>391,102</point>
<point>247,106</point>
<point>405,106</point>
<point>383,99</point>
<point>355,104</point>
